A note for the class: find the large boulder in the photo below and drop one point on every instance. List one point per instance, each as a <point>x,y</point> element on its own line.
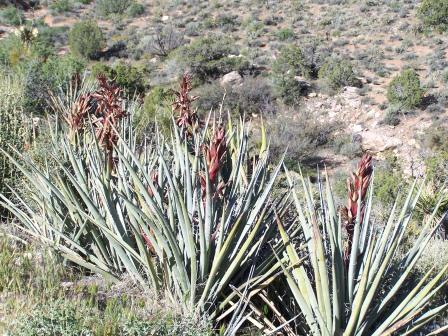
<point>231,79</point>
<point>377,142</point>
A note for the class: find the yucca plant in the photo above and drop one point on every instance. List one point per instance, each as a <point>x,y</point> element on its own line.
<point>354,278</point>
<point>191,215</point>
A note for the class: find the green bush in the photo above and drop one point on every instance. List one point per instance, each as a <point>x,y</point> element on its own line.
<point>208,57</point>
<point>292,60</point>
<point>108,7</point>
<point>436,137</point>
<point>405,90</point>
<point>12,16</point>
<point>156,108</point>
<point>393,114</point>
<point>388,180</point>
<point>42,77</point>
<point>58,318</point>
<point>338,73</point>
<point>61,6</point>
<point>135,9</point>
<point>253,96</point>
<point>437,167</point>
<point>289,64</point>
<point>12,51</point>
<point>62,317</point>
<point>434,14</point>
<point>126,76</point>
<point>285,34</point>
<point>86,39</point>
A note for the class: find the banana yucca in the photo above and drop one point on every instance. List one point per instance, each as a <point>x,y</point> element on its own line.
<point>189,215</point>
<point>195,216</point>
<point>358,282</point>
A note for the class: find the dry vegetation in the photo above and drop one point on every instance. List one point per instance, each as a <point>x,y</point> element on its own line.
<point>327,81</point>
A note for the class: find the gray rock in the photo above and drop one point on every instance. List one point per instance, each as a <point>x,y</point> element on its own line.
<point>231,79</point>
<point>376,142</point>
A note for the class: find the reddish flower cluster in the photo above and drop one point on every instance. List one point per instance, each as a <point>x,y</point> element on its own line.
<point>104,108</point>
<point>357,187</point>
<point>108,112</point>
<point>186,118</point>
<point>214,154</point>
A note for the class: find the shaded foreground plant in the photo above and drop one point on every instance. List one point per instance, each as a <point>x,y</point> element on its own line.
<point>189,215</point>
<point>195,216</point>
<point>374,295</point>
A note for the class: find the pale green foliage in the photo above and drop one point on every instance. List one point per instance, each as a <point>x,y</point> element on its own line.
<point>338,73</point>
<point>212,244</point>
<point>405,89</point>
<point>376,294</point>
<point>154,219</point>
<point>108,7</point>
<point>86,39</point>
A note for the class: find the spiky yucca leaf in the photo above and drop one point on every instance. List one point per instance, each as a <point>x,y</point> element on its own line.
<point>168,213</point>
<point>383,298</point>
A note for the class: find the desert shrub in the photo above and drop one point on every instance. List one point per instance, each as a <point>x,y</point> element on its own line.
<point>292,60</point>
<point>135,9</point>
<point>43,77</point>
<point>12,16</point>
<point>108,7</point>
<point>126,76</point>
<point>254,96</point>
<point>44,45</point>
<point>338,73</point>
<point>388,180</point>
<point>210,57</point>
<point>437,167</point>
<point>285,34</point>
<point>57,318</point>
<point>301,133</point>
<point>433,256</point>
<point>165,40</point>
<point>348,146</point>
<point>61,6</point>
<point>156,109</point>
<point>290,64</point>
<point>393,114</point>
<point>405,90</point>
<point>436,137</point>
<point>434,14</point>
<point>12,51</point>
<point>86,39</point>
<point>62,317</point>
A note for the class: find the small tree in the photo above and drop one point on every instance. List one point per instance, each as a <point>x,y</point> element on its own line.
<point>128,77</point>
<point>338,73</point>
<point>165,40</point>
<point>405,90</point>
<point>290,63</point>
<point>210,57</point>
<point>86,39</point>
<point>434,14</point>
